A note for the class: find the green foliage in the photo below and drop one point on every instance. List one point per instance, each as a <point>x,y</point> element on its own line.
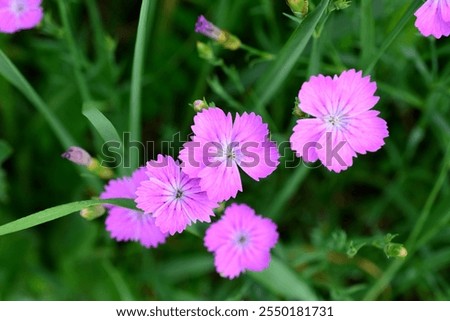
<point>67,83</point>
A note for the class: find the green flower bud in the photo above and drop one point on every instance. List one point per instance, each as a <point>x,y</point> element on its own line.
<point>99,170</point>
<point>340,5</point>
<point>200,104</point>
<point>205,51</point>
<point>395,250</point>
<point>92,212</point>
<point>298,7</point>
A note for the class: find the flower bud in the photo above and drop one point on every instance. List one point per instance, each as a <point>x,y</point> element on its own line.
<point>205,51</point>
<point>395,250</point>
<point>200,104</point>
<point>92,212</point>
<point>298,7</point>
<point>77,155</point>
<point>222,37</point>
<point>340,5</point>
<point>99,170</point>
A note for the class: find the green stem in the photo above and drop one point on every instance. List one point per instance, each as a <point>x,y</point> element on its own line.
<point>367,31</point>
<point>395,266</point>
<point>260,53</point>
<point>393,35</point>
<point>411,242</point>
<point>145,23</point>
<point>74,52</point>
<point>13,75</point>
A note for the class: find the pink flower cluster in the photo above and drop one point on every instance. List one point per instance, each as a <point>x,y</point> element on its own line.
<point>172,196</point>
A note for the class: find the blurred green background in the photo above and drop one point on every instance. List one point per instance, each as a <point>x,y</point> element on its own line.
<point>402,189</point>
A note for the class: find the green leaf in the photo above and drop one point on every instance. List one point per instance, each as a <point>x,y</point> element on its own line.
<point>281,280</point>
<point>289,55</point>
<point>146,21</point>
<point>103,125</point>
<point>13,75</point>
<point>59,211</point>
<point>389,39</point>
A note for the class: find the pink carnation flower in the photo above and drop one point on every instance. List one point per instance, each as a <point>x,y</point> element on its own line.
<point>344,123</point>
<point>174,199</point>
<point>17,15</point>
<point>433,18</point>
<point>127,225</point>
<point>241,240</point>
<point>220,146</point>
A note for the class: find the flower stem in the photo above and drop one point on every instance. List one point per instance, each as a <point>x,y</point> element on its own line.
<point>393,268</point>
<point>262,54</point>
<point>145,22</point>
<point>75,53</point>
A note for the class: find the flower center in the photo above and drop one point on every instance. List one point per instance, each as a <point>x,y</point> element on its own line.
<point>230,154</point>
<point>336,121</point>
<point>179,194</point>
<point>241,239</point>
<point>18,6</point>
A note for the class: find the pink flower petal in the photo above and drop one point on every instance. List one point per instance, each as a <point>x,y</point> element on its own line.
<point>304,140</point>
<point>221,181</point>
<point>433,18</point>
<point>316,96</point>
<point>259,160</point>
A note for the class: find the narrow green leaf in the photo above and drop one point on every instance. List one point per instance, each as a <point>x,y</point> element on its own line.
<point>148,9</point>
<point>288,56</point>
<point>59,211</point>
<point>367,31</point>
<point>389,39</point>
<point>103,125</point>
<point>281,280</point>
<point>13,75</point>
<point>118,280</point>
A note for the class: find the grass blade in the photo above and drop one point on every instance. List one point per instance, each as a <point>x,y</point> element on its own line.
<point>103,125</point>
<point>392,36</point>
<point>13,75</point>
<point>59,211</point>
<point>144,26</point>
<point>281,280</point>
<point>288,56</point>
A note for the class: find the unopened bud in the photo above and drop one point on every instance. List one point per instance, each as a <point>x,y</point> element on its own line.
<point>395,250</point>
<point>205,51</point>
<point>99,170</point>
<point>77,155</point>
<point>223,37</point>
<point>92,212</point>
<point>340,5</point>
<point>200,104</point>
<point>298,7</point>
<point>230,41</point>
